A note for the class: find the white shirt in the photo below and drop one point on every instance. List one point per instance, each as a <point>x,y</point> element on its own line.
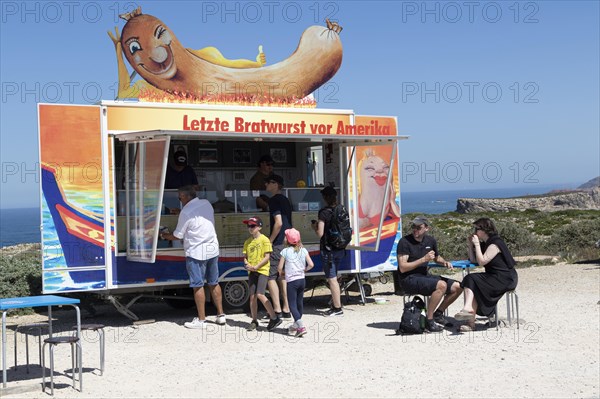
<point>295,263</point>
<point>196,226</point>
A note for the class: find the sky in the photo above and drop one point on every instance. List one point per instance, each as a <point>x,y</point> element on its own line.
<point>492,94</point>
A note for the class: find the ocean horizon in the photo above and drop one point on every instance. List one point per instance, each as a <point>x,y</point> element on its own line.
<point>20,226</point>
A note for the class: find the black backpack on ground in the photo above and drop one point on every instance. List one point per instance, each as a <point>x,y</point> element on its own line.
<point>412,321</point>
<point>339,232</point>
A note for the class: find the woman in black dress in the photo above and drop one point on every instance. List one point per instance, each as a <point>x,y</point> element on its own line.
<point>483,290</point>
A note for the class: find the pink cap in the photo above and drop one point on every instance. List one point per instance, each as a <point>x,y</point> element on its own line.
<point>292,236</point>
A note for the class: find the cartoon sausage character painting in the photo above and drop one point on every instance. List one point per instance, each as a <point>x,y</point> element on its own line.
<point>156,54</point>
<point>374,173</point>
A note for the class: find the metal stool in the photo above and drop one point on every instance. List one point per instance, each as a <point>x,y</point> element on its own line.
<point>512,305</point>
<point>99,328</point>
<point>75,359</point>
<point>26,328</point>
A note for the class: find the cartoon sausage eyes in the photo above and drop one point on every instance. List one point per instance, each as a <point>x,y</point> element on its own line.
<point>134,46</point>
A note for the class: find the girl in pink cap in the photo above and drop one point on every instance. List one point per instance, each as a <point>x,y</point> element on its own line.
<point>297,261</point>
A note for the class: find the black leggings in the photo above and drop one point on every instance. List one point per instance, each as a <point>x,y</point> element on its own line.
<point>295,297</point>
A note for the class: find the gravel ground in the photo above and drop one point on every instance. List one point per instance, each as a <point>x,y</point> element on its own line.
<point>554,352</point>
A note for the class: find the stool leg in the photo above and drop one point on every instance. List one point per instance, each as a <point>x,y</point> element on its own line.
<point>44,368</point>
<point>508,308</point>
<point>80,361</point>
<point>496,317</point>
<point>73,365</point>
<point>27,351</point>
<point>517,306</point>
<point>51,369</point>
<point>40,342</point>
<point>102,344</point>
<point>15,339</point>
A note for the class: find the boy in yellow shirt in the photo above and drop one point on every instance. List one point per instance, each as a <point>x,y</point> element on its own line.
<point>257,252</point>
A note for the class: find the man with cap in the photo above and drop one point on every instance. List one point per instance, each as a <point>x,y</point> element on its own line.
<point>331,258</point>
<point>280,215</point>
<point>257,182</point>
<point>179,173</point>
<point>415,251</point>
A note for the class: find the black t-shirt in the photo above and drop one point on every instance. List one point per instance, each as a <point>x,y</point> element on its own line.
<point>279,204</point>
<point>416,250</point>
<point>325,214</point>
<point>175,179</point>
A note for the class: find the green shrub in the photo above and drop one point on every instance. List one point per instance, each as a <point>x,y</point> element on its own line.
<point>575,239</point>
<point>20,273</point>
<point>452,241</point>
<point>519,240</point>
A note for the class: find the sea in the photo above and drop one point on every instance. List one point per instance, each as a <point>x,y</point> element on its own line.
<point>18,226</point>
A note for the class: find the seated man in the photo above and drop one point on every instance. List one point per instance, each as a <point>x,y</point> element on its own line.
<point>415,251</point>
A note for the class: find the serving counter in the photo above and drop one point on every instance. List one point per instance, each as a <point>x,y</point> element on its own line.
<point>231,210</point>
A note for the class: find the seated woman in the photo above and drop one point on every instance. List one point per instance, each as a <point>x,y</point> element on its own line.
<point>484,290</point>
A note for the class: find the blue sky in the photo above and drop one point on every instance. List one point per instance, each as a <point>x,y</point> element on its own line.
<point>493,94</point>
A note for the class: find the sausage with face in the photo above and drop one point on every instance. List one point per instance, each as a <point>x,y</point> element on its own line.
<point>158,57</point>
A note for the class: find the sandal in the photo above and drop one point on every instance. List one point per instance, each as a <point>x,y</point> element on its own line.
<point>463,315</point>
<point>465,328</point>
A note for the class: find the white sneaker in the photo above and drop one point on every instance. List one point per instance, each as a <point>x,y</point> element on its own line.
<point>196,323</point>
<point>292,329</point>
<point>221,320</point>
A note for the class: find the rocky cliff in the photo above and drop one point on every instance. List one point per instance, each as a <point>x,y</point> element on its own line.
<point>595,182</point>
<point>579,199</point>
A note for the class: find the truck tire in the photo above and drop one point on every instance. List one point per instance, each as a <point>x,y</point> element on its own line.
<point>236,295</point>
<point>368,289</point>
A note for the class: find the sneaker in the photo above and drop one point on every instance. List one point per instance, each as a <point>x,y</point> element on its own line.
<point>334,312</point>
<point>196,323</point>
<point>300,332</point>
<point>438,317</point>
<point>274,323</point>
<point>292,330</point>
<point>253,326</point>
<point>432,326</point>
<point>286,315</point>
<point>221,320</point>
<point>267,317</point>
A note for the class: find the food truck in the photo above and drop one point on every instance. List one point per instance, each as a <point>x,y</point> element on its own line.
<point>103,200</point>
<point>103,166</point>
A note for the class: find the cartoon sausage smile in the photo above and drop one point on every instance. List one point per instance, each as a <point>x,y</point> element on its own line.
<point>154,52</point>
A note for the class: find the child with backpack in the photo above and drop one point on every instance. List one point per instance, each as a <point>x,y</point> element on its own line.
<point>257,252</point>
<point>296,261</point>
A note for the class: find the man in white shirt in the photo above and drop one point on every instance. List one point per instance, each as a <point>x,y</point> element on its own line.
<point>196,226</point>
